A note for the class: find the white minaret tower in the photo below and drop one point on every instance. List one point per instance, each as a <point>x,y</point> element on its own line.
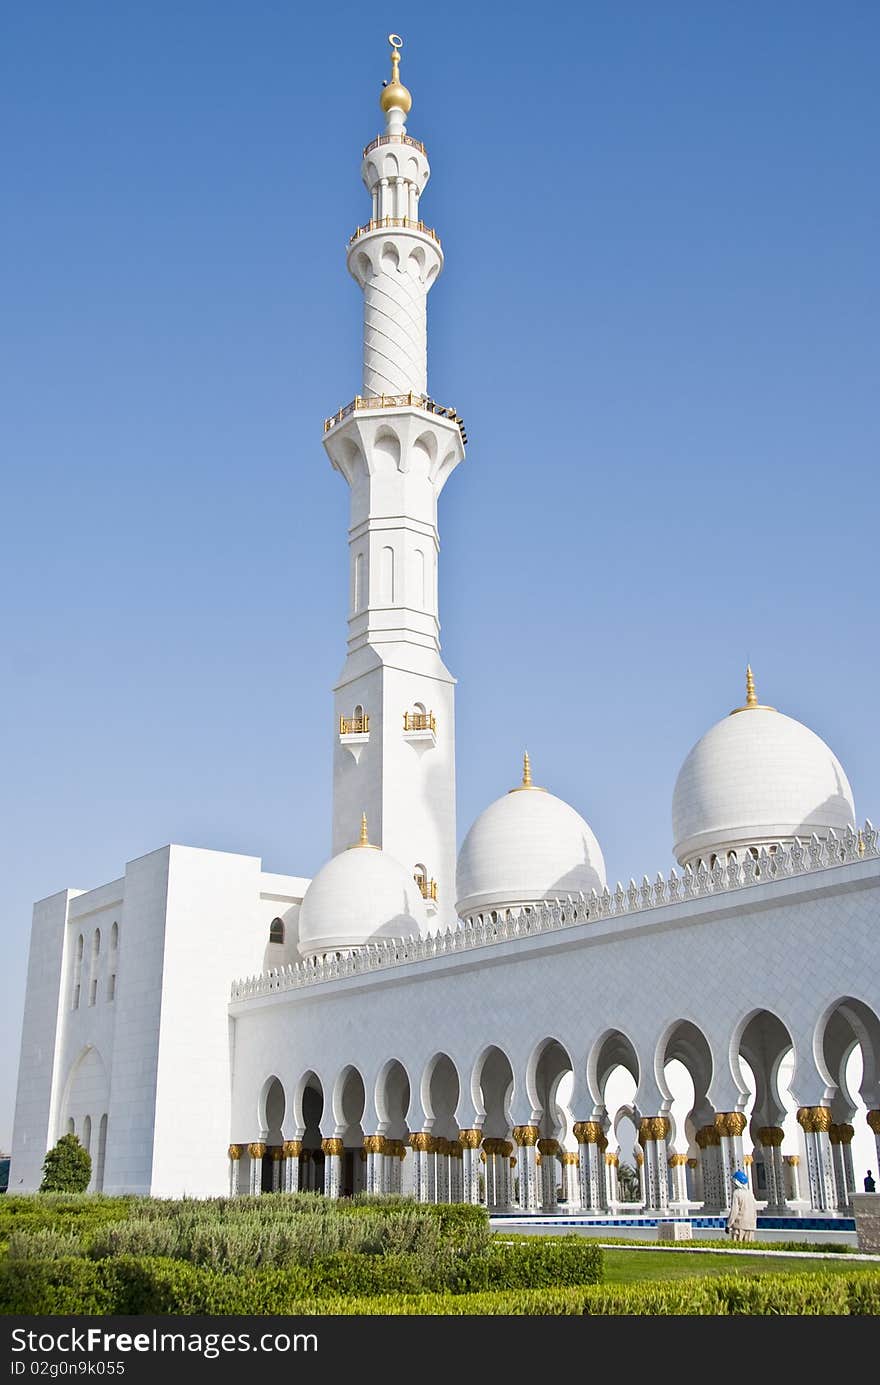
<point>394,756</point>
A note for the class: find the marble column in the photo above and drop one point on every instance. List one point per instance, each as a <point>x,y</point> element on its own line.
<point>709,1142</point>
<point>815,1121</point>
<point>791,1163</point>
<point>291,1150</point>
<point>277,1156</point>
<point>730,1126</point>
<point>470,1165</point>
<point>420,1143</point>
<point>235,1153</point>
<point>333,1150</point>
<point>526,1139</point>
<point>549,1152</point>
<point>678,1177</point>
<point>587,1134</point>
<point>256,1152</point>
<point>771,1137</point>
<point>840,1138</point>
<point>873,1119</point>
<point>441,1165</point>
<point>570,1179</point>
<point>377,1163</point>
<point>694,1180</point>
<point>643,1178</point>
<point>653,1133</point>
<point>612,1164</point>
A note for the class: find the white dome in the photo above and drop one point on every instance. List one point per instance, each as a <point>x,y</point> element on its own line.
<point>757,777</point>
<point>526,846</point>
<point>359,896</point>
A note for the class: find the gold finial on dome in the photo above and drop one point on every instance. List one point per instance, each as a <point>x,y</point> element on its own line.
<point>364,839</point>
<point>751,703</point>
<point>527,777</point>
<point>394,94</point>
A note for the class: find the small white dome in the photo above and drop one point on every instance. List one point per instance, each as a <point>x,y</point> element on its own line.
<point>755,778</point>
<point>526,846</point>
<point>358,896</point>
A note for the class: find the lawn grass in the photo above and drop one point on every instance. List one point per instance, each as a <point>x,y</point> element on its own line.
<point>634,1266</point>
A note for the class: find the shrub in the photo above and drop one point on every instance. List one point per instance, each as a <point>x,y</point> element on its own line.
<point>550,1262</point>
<point>67,1168</point>
<point>57,1286</point>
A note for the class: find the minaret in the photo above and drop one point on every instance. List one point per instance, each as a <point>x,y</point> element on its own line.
<point>394,729</point>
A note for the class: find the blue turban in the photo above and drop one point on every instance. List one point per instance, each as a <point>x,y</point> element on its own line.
<point>740,1178</point>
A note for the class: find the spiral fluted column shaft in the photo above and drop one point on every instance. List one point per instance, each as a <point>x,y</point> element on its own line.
<point>395,331</point>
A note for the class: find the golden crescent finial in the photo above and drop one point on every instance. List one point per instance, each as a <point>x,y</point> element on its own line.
<point>527,771</point>
<point>394,93</point>
<point>365,836</point>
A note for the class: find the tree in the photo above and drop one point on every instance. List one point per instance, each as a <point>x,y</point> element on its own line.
<point>67,1168</point>
<point>628,1183</point>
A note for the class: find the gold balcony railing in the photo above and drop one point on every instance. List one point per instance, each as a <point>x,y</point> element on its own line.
<point>427,888</point>
<point>396,401</point>
<point>388,223</point>
<point>419,721</point>
<point>354,726</point>
<point>395,139</point>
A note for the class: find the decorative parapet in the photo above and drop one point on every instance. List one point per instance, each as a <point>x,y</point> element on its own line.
<point>394,139</point>
<point>396,401</point>
<point>392,223</point>
<point>797,858</point>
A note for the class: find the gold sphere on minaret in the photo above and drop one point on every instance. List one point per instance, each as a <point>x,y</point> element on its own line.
<point>394,94</point>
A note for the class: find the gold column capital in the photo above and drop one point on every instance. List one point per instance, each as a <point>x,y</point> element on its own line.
<point>549,1146</point>
<point>470,1139</point>
<point>730,1123</point>
<point>771,1136</point>
<point>653,1128</point>
<point>568,1157</point>
<point>332,1146</point>
<point>526,1134</point>
<point>419,1141</point>
<point>677,1161</point>
<point>375,1144</point>
<point>707,1137</point>
<point>276,1153</point>
<point>256,1150</point>
<point>748,1160</point>
<point>793,1159</point>
<point>815,1119</point>
<point>234,1152</point>
<point>873,1119</point>
<point>587,1132</point>
<point>640,1158</point>
<point>292,1149</point>
<point>693,1163</point>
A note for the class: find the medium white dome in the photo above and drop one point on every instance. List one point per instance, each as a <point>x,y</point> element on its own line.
<point>526,846</point>
<point>757,777</point>
<point>359,896</point>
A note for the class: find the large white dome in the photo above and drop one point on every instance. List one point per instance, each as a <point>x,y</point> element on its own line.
<point>757,777</point>
<point>359,896</point>
<point>526,846</point>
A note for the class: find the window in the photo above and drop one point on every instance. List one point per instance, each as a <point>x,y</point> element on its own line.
<point>111,964</point>
<point>77,972</point>
<point>276,931</point>
<point>96,953</point>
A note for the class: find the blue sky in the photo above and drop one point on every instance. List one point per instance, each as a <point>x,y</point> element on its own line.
<point>658,318</point>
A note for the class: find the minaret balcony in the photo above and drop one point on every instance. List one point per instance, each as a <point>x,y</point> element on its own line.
<point>427,888</point>
<point>396,401</point>
<point>395,139</point>
<point>391,223</point>
<point>354,726</point>
<point>420,731</point>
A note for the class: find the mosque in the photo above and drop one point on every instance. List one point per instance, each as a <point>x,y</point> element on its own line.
<point>454,1026</point>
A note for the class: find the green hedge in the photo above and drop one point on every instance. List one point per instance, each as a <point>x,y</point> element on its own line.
<point>722,1296</point>
<point>144,1284</point>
